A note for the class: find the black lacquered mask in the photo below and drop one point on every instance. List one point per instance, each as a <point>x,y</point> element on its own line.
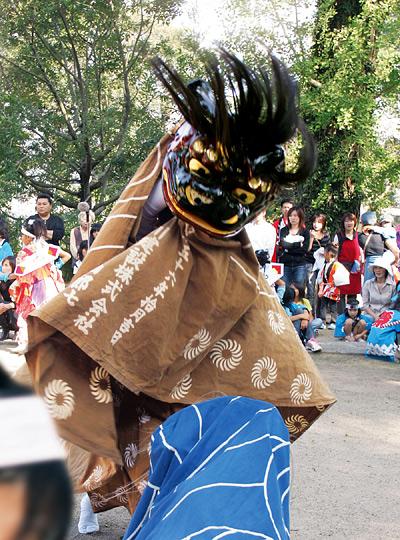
<point>227,160</point>
<point>213,193</point>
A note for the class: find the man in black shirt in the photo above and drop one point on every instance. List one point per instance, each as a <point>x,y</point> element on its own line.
<point>54,224</point>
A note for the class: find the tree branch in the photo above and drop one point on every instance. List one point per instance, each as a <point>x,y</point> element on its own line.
<point>100,206</point>
<point>67,202</point>
<point>74,166</point>
<point>54,54</point>
<point>283,28</point>
<point>44,186</point>
<point>127,106</point>
<point>20,68</point>
<point>54,92</point>
<point>82,90</point>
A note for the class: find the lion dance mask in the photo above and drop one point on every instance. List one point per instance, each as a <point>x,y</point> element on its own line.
<point>227,160</point>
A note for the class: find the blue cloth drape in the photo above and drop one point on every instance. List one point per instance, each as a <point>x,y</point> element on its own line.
<point>220,468</point>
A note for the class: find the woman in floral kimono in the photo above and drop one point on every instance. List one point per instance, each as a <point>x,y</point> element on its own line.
<point>37,278</point>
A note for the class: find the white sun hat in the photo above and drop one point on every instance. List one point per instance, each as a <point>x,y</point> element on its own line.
<point>385,262</point>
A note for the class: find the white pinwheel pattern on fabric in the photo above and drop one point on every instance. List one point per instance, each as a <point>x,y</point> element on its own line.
<point>276,322</point>
<point>141,486</point>
<point>100,386</point>
<point>301,389</point>
<point>94,479</point>
<point>296,423</point>
<point>264,373</point>
<point>226,354</point>
<point>97,500</point>
<point>143,416</point>
<point>59,399</point>
<point>182,388</point>
<point>121,494</point>
<point>130,454</point>
<point>198,343</point>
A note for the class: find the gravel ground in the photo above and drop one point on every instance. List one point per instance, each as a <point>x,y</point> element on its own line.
<point>345,469</point>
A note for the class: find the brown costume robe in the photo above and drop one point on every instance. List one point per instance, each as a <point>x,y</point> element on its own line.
<point>146,328</point>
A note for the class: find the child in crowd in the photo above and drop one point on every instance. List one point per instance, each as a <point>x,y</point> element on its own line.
<point>8,319</point>
<point>300,318</point>
<point>383,340</point>
<point>300,298</point>
<point>332,275</point>
<point>280,288</point>
<point>82,251</point>
<point>353,325</point>
<point>94,231</point>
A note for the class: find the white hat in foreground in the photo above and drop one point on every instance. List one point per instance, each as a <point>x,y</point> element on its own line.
<point>28,434</point>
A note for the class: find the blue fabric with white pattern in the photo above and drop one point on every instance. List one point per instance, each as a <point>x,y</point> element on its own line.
<point>382,340</point>
<point>218,469</point>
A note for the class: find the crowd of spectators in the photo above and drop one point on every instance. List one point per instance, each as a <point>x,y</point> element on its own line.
<point>347,277</point>
<point>342,281</point>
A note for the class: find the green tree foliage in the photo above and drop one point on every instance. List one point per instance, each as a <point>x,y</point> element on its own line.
<point>345,54</point>
<point>350,78</point>
<point>79,106</point>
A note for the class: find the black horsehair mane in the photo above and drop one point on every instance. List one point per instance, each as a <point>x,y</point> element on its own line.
<point>259,111</point>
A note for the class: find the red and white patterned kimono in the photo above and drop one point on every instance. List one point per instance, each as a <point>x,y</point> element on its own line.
<point>38,280</point>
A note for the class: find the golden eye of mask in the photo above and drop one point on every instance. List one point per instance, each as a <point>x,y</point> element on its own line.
<point>198,146</point>
<point>254,183</point>
<point>212,155</point>
<point>195,198</point>
<point>198,168</point>
<point>244,196</point>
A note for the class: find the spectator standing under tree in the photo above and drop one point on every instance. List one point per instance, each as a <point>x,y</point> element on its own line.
<point>374,241</point>
<point>319,238</point>
<point>5,248</point>
<point>349,254</point>
<point>54,224</point>
<point>282,221</point>
<point>386,222</point>
<point>293,247</point>
<point>80,234</point>
<point>4,226</point>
